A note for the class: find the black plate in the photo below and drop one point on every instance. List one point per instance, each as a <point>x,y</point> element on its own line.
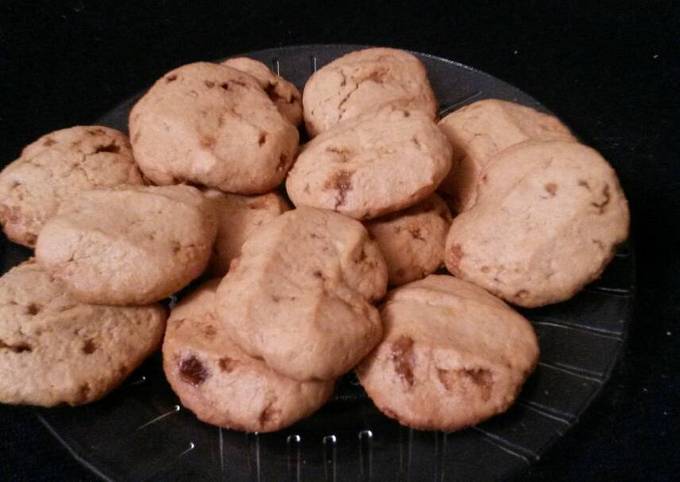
<point>140,431</point>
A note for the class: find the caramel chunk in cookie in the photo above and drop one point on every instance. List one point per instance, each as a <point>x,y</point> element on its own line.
<point>56,167</point>
<point>548,218</point>
<point>212,125</point>
<point>453,355</point>
<point>374,164</point>
<point>223,385</point>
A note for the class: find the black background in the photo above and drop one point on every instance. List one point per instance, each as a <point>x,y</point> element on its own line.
<point>611,71</point>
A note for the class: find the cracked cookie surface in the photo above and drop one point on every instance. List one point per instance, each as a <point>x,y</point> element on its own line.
<point>452,356</point>
<point>55,349</point>
<point>548,218</point>
<point>56,167</point>
<point>362,81</point>
<point>212,125</point>
<point>299,295</point>
<point>283,93</point>
<point>479,131</point>
<point>222,384</point>
<point>132,245</point>
<point>374,164</point>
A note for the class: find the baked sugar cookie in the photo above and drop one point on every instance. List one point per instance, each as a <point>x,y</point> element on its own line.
<point>237,217</point>
<point>133,245</point>
<point>481,130</point>
<point>55,349</point>
<point>212,125</point>
<point>548,218</point>
<point>56,167</point>
<point>299,295</point>
<point>220,383</point>
<point>362,81</point>
<point>453,355</point>
<point>283,93</point>
<point>412,241</point>
<point>374,164</point>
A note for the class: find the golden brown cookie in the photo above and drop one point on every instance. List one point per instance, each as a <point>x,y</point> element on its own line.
<point>55,349</point>
<point>481,130</point>
<point>362,81</point>
<point>220,383</point>
<point>548,218</point>
<point>133,245</point>
<point>453,355</point>
<point>412,241</point>
<point>212,125</point>
<point>283,93</point>
<point>299,295</point>
<point>237,217</point>
<point>56,167</point>
<point>374,164</point>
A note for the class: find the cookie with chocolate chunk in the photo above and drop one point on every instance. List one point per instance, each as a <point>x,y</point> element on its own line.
<point>452,356</point>
<point>371,165</point>
<point>548,218</point>
<point>283,93</point>
<point>55,349</point>
<point>363,81</point>
<point>56,167</point>
<point>212,125</point>
<point>481,130</point>
<point>412,241</point>
<point>223,385</point>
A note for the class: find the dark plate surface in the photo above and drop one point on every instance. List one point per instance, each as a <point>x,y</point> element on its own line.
<point>140,432</point>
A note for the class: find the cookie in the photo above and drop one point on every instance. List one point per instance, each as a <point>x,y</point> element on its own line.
<point>299,295</point>
<point>481,130</point>
<point>548,218</point>
<point>283,93</point>
<point>237,217</point>
<point>412,241</point>
<point>56,167</point>
<point>372,165</point>
<point>134,245</point>
<point>212,125</point>
<point>56,350</point>
<point>220,383</point>
<point>453,355</point>
<point>362,81</point>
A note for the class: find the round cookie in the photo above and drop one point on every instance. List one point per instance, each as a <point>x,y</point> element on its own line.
<point>212,125</point>
<point>56,167</point>
<point>548,218</point>
<point>283,93</point>
<point>362,81</point>
<point>453,355</point>
<point>299,295</point>
<point>237,217</point>
<point>55,350</point>
<point>412,241</point>
<point>133,245</point>
<point>371,165</point>
<point>481,130</point>
<point>220,383</point>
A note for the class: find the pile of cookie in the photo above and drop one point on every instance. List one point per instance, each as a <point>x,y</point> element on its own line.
<point>283,301</point>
